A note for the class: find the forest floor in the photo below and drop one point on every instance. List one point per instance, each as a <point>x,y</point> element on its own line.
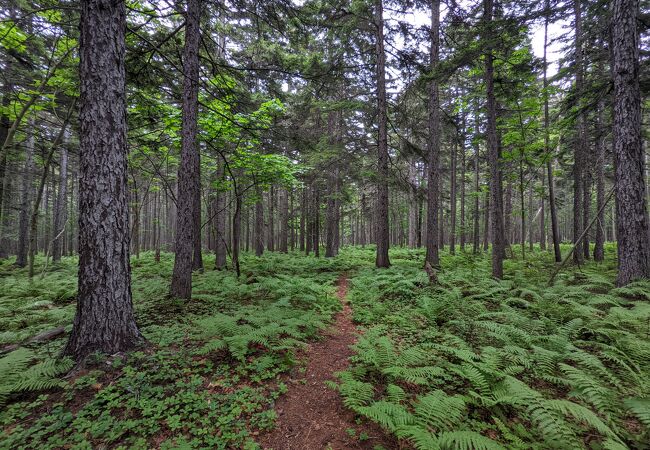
<point>295,355</point>
<point>312,415</point>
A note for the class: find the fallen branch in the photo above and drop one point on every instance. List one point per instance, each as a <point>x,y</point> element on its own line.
<point>42,337</point>
<point>584,233</point>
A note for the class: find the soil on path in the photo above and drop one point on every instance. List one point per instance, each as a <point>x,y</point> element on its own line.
<point>311,416</point>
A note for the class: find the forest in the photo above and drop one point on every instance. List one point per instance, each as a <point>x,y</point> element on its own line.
<point>324,224</point>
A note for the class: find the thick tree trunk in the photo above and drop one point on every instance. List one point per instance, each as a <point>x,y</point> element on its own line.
<point>104,320</point>
<point>433,144</point>
<point>382,229</point>
<point>496,204</point>
<point>189,169</point>
<point>61,210</point>
<point>26,199</point>
<point>631,210</point>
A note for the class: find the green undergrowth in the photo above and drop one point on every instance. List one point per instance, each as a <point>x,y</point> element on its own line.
<point>208,377</point>
<point>479,364</point>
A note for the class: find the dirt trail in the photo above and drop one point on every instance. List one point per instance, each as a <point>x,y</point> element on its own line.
<point>311,416</point>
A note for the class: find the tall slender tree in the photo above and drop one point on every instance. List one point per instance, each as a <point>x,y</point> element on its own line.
<point>433,143</point>
<point>382,229</point>
<point>496,201</point>
<point>189,170</point>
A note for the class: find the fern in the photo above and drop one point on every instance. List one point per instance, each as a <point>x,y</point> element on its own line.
<point>16,375</point>
<point>640,407</point>
<point>467,440</point>
<point>439,411</point>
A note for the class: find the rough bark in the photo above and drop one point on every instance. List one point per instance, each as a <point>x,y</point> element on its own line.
<point>382,229</point>
<point>433,144</point>
<point>188,171</point>
<point>104,320</point>
<point>496,205</point>
<point>631,211</point>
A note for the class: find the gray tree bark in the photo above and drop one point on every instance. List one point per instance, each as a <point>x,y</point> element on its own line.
<point>219,211</point>
<point>104,320</point>
<point>631,213</point>
<point>496,203</point>
<point>189,170</point>
<point>26,199</point>
<point>433,144</point>
<point>578,178</point>
<point>382,230</point>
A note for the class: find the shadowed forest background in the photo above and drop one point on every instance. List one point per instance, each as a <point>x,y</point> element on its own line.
<point>324,224</point>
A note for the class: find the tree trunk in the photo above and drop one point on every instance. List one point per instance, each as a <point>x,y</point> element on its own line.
<point>382,229</point>
<point>4,131</point>
<point>135,219</point>
<point>578,254</point>
<point>463,169</point>
<point>477,186</point>
<point>631,210</point>
<point>259,224</point>
<point>219,211</point>
<point>26,199</point>
<point>452,231</point>
<point>599,244</point>
<point>413,205</point>
<point>433,144</point>
<point>586,198</point>
<point>330,222</point>
<point>496,206</point>
<point>283,245</point>
<point>104,320</point>
<point>547,150</point>
<point>61,210</point>
<point>189,169</point>
<point>271,223</point>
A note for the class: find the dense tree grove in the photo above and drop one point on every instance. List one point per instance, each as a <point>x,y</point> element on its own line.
<point>223,134</point>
